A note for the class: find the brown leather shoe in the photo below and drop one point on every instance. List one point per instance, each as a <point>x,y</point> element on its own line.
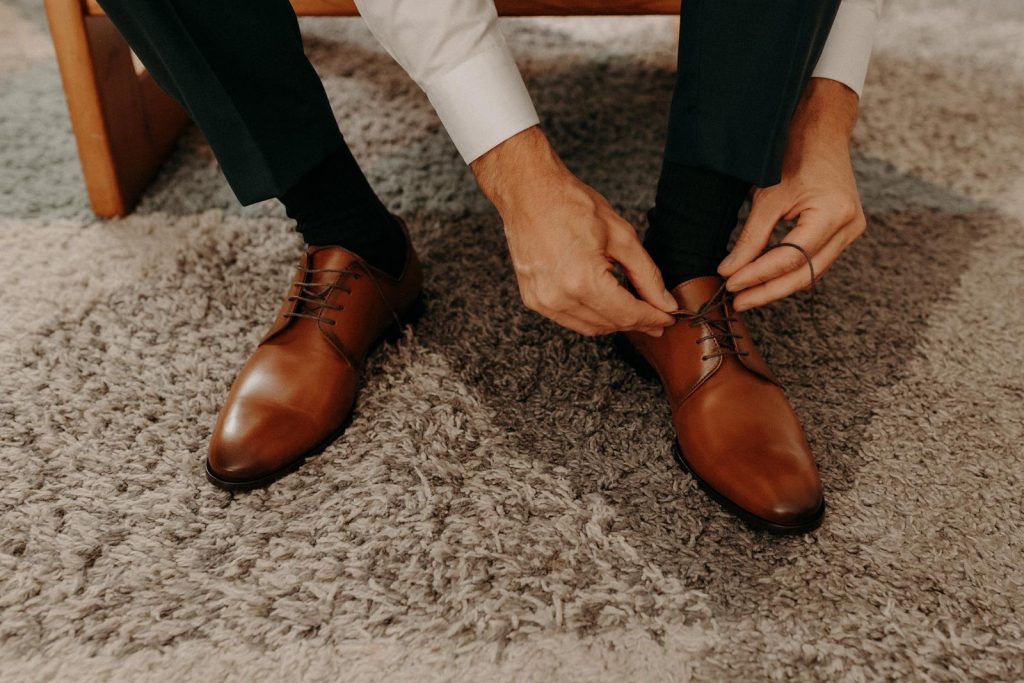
<point>737,433</point>
<point>295,394</point>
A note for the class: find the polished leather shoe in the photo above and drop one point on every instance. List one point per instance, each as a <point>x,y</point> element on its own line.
<point>296,393</point>
<point>736,431</point>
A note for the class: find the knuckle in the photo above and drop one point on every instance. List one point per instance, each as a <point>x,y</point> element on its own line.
<point>860,224</point>
<point>795,260</point>
<point>744,238</point>
<point>846,209</point>
<point>576,285</point>
<point>548,300</point>
<point>619,233</point>
<point>528,298</point>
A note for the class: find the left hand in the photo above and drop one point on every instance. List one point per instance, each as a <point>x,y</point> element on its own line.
<point>818,189</point>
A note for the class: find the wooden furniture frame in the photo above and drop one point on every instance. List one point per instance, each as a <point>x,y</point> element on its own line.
<point>125,126</point>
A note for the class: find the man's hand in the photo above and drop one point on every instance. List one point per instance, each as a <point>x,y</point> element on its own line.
<point>564,239</point>
<point>818,189</point>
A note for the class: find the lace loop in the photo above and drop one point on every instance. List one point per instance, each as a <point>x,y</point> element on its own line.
<point>719,327</point>
<point>313,304</point>
<point>720,330</point>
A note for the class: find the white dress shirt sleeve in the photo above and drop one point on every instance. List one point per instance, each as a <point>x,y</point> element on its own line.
<point>456,53</point>
<point>847,49</point>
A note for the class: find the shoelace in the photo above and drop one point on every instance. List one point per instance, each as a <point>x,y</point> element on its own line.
<point>314,304</point>
<point>720,326</point>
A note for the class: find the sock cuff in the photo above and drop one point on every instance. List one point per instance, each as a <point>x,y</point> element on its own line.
<point>681,185</point>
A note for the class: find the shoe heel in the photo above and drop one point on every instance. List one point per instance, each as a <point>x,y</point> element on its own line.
<point>633,358</point>
<point>411,316</point>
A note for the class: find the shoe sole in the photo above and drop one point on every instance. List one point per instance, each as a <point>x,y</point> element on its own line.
<point>645,370</point>
<point>390,335</point>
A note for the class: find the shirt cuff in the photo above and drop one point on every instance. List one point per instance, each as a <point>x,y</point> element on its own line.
<point>482,102</point>
<point>847,50</point>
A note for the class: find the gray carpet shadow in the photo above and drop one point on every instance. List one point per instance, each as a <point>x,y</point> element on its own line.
<point>572,403</point>
<point>40,172</point>
<point>30,10</point>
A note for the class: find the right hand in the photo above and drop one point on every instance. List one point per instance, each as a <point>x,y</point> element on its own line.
<point>565,239</point>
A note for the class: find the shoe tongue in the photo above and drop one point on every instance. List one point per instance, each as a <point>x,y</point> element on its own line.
<point>692,294</point>
<point>330,259</point>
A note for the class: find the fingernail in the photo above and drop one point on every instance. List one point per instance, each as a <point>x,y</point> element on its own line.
<point>656,333</point>
<point>732,285</point>
<point>670,300</point>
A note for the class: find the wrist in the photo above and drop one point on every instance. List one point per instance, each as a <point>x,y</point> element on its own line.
<point>826,113</point>
<point>518,167</point>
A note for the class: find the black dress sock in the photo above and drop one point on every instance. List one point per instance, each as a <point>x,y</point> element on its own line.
<point>333,204</point>
<point>694,213</point>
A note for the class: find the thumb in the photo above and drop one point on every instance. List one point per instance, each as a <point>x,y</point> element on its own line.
<point>765,213</point>
<point>629,253</point>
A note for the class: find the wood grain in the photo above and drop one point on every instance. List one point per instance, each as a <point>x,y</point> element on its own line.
<point>510,8</point>
<point>124,124</point>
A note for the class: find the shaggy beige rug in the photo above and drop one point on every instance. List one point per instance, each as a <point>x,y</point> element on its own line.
<point>505,505</point>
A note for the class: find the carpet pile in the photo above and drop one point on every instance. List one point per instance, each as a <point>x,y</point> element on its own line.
<point>505,505</point>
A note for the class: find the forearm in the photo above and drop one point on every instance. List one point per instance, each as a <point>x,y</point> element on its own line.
<point>522,165</point>
<point>825,115</point>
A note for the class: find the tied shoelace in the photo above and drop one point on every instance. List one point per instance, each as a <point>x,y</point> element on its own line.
<point>720,332</point>
<point>314,304</point>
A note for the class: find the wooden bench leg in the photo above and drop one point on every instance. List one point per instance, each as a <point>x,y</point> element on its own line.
<point>124,124</point>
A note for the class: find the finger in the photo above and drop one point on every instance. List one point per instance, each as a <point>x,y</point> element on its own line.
<point>623,311</point>
<point>638,266</point>
<point>587,326</point>
<point>783,286</point>
<point>590,323</point>
<point>812,232</point>
<point>766,211</point>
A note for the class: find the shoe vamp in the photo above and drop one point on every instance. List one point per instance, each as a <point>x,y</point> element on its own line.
<point>740,435</point>
<point>301,377</point>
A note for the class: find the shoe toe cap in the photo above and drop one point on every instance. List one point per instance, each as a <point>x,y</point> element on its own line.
<point>254,439</point>
<point>795,506</point>
<point>770,488</point>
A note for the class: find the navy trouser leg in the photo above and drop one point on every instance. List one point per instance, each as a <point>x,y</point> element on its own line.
<point>743,65</point>
<point>238,68</point>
